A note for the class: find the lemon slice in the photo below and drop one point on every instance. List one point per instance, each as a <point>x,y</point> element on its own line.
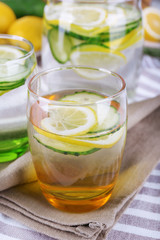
<point>151,17</point>
<point>128,40</point>
<point>84,16</point>
<point>106,141</point>
<point>69,121</point>
<point>96,56</point>
<point>11,71</point>
<point>9,53</point>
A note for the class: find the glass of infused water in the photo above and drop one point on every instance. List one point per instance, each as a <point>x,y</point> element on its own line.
<point>17,61</point>
<point>105,33</point>
<point>77,134</point>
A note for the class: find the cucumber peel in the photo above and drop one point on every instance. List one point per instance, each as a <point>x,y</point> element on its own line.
<point>4,86</point>
<point>60,49</point>
<point>64,147</point>
<point>84,97</point>
<point>14,81</point>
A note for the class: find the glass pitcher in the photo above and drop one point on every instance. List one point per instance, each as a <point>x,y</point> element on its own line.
<point>105,34</point>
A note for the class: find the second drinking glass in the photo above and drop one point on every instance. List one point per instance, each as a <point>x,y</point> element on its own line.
<point>17,62</point>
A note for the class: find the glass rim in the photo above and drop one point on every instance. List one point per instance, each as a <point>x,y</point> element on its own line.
<point>21,39</point>
<point>44,72</point>
<point>92,1</point>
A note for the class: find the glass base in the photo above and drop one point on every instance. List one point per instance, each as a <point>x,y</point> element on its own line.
<point>78,206</point>
<point>12,149</point>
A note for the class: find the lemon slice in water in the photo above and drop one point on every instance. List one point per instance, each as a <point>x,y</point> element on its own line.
<point>70,125</point>
<point>127,41</point>
<point>9,53</point>
<point>69,121</point>
<point>78,15</point>
<point>96,56</point>
<point>12,73</point>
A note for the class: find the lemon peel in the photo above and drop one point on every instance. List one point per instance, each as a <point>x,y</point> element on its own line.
<point>29,27</point>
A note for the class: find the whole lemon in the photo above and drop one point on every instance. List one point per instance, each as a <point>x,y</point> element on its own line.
<point>151,21</point>
<point>7,17</point>
<point>29,27</point>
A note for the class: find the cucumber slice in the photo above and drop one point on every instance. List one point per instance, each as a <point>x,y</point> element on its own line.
<point>83,97</point>
<point>4,86</point>
<point>103,36</point>
<point>64,147</point>
<point>121,30</point>
<point>104,141</point>
<point>14,73</point>
<point>60,45</point>
<point>13,76</point>
<point>108,120</point>
<point>88,37</point>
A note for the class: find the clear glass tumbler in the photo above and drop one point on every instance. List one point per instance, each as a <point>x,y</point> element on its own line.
<point>105,34</point>
<point>77,133</point>
<point>17,61</point>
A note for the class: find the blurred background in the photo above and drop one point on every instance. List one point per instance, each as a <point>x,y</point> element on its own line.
<point>25,18</point>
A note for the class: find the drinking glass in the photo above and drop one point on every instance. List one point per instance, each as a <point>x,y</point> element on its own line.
<point>77,133</point>
<point>105,34</point>
<point>17,61</point>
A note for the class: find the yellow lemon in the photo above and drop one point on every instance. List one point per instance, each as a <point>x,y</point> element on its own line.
<point>7,17</point>
<point>29,27</point>
<point>151,18</point>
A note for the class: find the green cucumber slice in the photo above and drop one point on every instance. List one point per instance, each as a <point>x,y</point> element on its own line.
<point>4,86</point>
<point>88,38</point>
<point>60,45</point>
<point>13,78</point>
<point>105,36</point>
<point>83,97</point>
<point>64,147</point>
<point>109,119</point>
